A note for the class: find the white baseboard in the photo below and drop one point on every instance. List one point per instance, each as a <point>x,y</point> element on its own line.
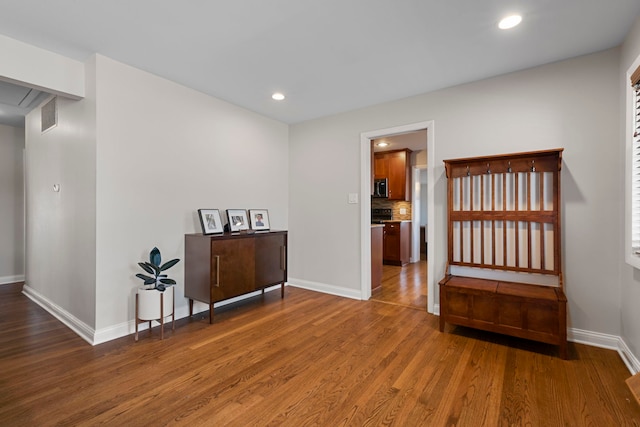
<point>127,328</point>
<point>5,280</point>
<point>629,359</point>
<point>100,336</point>
<point>326,289</point>
<point>85,331</point>
<point>611,342</point>
<point>594,339</point>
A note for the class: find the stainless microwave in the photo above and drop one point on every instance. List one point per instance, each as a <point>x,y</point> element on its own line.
<point>381,188</point>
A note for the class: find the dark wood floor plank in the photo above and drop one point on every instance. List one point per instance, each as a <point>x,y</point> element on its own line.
<point>406,286</point>
<point>307,359</point>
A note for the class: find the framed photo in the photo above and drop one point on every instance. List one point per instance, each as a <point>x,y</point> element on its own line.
<point>259,219</point>
<point>210,221</point>
<point>237,220</point>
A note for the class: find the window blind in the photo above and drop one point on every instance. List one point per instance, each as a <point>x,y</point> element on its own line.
<point>635,172</point>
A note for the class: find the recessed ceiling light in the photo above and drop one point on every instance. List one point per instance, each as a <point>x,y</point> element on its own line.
<point>277,96</point>
<point>382,144</point>
<point>509,22</point>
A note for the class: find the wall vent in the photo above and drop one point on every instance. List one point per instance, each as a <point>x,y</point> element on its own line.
<point>49,114</point>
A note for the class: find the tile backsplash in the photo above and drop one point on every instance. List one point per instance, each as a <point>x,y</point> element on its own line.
<point>395,206</point>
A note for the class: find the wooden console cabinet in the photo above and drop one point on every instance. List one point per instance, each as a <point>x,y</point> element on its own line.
<point>219,267</point>
<point>504,247</point>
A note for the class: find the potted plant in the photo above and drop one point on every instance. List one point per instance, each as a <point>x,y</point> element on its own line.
<point>152,302</point>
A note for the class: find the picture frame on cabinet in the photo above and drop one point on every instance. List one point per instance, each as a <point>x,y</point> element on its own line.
<point>259,219</point>
<point>210,221</point>
<point>238,220</point>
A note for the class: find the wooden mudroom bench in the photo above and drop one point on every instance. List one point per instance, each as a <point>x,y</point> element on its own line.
<point>504,270</point>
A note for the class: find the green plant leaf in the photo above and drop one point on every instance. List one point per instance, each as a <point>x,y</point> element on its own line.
<point>154,257</point>
<point>150,281</point>
<point>167,265</point>
<point>156,269</point>
<point>146,267</point>
<point>160,287</point>
<point>144,277</point>
<point>168,281</point>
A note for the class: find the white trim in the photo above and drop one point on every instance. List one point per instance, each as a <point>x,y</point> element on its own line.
<point>436,309</point>
<point>629,359</point>
<point>93,337</point>
<point>127,328</point>
<point>326,288</point>
<point>631,259</point>
<point>416,212</point>
<point>5,280</point>
<point>611,342</point>
<point>365,216</point>
<point>85,331</point>
<point>595,339</point>
<point>365,206</point>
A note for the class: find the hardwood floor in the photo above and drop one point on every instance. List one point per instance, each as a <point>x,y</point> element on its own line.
<point>309,359</point>
<point>406,286</point>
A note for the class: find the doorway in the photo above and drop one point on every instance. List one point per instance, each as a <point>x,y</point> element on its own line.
<point>402,278</point>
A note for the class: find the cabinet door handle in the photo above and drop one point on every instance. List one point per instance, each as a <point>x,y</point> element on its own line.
<point>217,284</point>
<point>283,258</point>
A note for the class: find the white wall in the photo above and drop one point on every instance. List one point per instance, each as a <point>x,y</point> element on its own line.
<point>571,104</point>
<point>630,281</point>
<point>165,151</point>
<point>38,68</point>
<point>61,225</point>
<point>11,204</point>
<point>135,160</point>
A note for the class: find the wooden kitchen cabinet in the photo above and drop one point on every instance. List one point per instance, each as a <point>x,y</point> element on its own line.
<point>397,242</point>
<point>229,265</point>
<point>380,166</point>
<point>377,255</point>
<point>395,165</point>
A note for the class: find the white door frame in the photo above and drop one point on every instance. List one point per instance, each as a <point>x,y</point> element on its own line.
<point>416,211</point>
<point>365,206</point>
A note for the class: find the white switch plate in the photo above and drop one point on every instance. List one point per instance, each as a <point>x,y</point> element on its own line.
<point>403,211</point>
<point>353,198</point>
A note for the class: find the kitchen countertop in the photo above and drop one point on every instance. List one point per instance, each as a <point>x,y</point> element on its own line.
<point>377,225</point>
<point>384,221</point>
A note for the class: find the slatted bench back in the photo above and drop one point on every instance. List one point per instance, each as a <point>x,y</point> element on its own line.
<point>504,212</point>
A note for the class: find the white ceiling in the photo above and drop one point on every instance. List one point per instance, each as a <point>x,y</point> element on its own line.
<point>16,102</point>
<point>414,141</point>
<point>326,56</point>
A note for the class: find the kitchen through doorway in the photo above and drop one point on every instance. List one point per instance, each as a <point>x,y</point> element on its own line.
<point>404,271</point>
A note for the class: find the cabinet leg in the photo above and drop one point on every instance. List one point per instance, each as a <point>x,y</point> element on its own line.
<point>211,313</point>
<point>441,323</point>
<point>190,307</point>
<point>282,290</point>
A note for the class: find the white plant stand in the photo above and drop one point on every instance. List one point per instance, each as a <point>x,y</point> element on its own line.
<point>152,304</point>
